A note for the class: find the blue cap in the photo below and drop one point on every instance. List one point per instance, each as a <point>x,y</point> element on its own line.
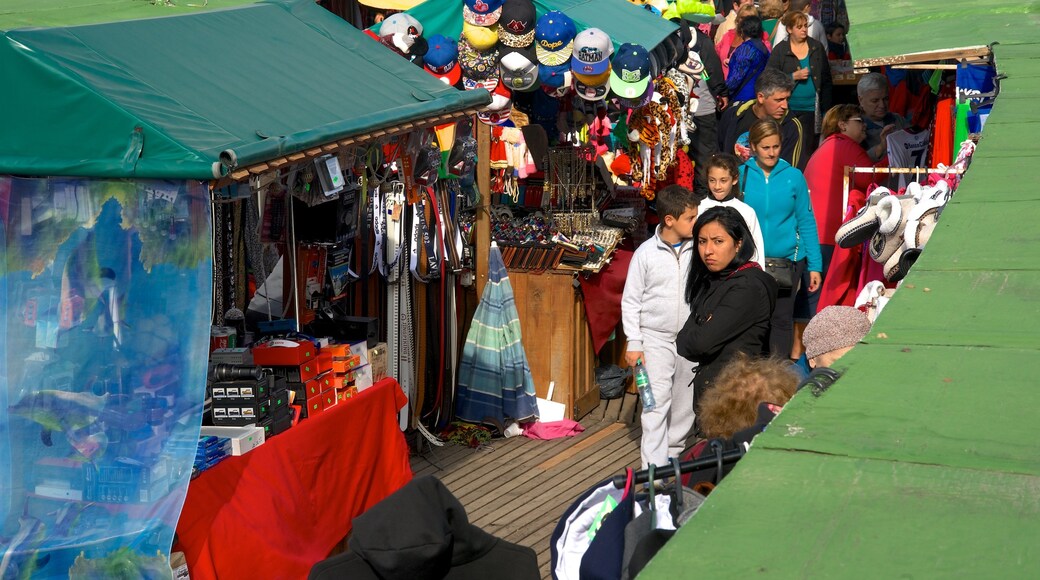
<point>553,35</point>
<point>630,71</point>
<point>442,51</point>
<point>484,6</point>
<point>553,76</point>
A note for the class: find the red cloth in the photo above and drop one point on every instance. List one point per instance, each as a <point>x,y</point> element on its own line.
<point>851,268</point>
<point>280,508</point>
<point>602,293</point>
<point>824,174</point>
<point>942,133</point>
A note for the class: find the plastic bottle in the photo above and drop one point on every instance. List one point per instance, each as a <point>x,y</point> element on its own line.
<point>646,394</point>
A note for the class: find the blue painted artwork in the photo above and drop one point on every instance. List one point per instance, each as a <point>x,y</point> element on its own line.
<point>105,292</point>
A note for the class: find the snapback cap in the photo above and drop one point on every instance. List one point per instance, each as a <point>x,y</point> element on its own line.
<point>553,38</point>
<point>519,68</point>
<point>516,25</point>
<point>591,52</point>
<point>630,71</point>
<point>482,12</point>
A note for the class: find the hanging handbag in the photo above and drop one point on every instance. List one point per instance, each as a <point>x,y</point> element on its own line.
<point>782,270</point>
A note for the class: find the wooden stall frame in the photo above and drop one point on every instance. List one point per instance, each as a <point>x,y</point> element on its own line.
<point>849,170</point>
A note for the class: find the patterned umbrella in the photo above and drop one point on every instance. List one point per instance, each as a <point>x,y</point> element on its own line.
<point>495,381</point>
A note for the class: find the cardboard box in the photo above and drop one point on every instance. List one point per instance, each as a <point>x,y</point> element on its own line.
<point>360,349</point>
<point>377,358</point>
<point>345,363</point>
<point>345,393</point>
<point>243,439</point>
<point>282,352</point>
<point>359,328</point>
<point>326,381</point>
<point>312,389</point>
<point>297,373</point>
<point>328,400</point>
<point>362,377</point>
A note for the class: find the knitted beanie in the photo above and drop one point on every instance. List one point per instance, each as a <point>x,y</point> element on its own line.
<point>834,327</point>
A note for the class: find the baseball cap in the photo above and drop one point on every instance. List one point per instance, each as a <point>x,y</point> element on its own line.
<point>553,35</point>
<point>477,64</point>
<point>501,98</point>
<point>630,71</point>
<point>594,80</point>
<point>590,92</point>
<point>516,25</point>
<point>402,23</point>
<point>640,101</point>
<point>553,76</point>
<point>592,49</point>
<point>482,12</point>
<point>519,68</point>
<point>480,37</point>
<point>398,42</point>
<point>489,84</point>
<point>442,59</point>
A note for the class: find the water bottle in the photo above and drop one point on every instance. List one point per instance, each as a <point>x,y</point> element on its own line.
<point>646,394</point>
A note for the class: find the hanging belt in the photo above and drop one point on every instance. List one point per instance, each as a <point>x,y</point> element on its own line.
<point>420,230</point>
<point>381,208</point>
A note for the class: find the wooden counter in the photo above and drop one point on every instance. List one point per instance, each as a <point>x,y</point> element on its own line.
<point>557,339</point>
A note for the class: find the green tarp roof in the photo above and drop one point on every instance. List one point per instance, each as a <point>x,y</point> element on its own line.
<point>41,13</point>
<point>620,19</point>
<point>163,97</point>
<point>922,460</point>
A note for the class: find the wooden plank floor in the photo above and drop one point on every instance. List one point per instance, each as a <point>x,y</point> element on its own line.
<point>518,488</point>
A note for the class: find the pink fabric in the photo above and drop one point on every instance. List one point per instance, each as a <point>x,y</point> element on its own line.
<point>552,429</point>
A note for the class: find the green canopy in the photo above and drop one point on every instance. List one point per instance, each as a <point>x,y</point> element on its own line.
<point>922,460</point>
<point>173,97</point>
<point>39,13</point>
<point>620,19</point>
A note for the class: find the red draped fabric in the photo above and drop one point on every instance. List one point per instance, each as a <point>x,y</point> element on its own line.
<point>280,508</point>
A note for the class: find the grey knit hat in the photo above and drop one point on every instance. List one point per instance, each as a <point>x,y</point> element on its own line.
<point>834,327</point>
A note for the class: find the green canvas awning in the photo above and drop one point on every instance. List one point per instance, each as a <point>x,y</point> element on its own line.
<point>50,13</point>
<point>620,19</point>
<point>922,460</point>
<point>166,97</point>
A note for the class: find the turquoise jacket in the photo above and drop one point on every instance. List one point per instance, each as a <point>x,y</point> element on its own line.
<point>784,211</point>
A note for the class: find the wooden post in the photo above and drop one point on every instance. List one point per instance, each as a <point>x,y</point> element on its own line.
<point>482,220</point>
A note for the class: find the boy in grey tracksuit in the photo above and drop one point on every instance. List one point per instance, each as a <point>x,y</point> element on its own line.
<point>652,312</point>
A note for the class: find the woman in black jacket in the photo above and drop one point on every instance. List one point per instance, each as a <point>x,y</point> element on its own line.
<point>731,298</point>
<point>805,59</point>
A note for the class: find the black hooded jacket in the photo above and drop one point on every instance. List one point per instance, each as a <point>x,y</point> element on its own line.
<point>421,532</point>
<point>731,316</point>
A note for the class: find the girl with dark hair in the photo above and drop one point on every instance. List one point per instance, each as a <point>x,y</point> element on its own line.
<point>731,299</point>
<point>722,185</point>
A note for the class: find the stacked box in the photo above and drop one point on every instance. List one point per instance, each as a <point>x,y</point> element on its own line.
<point>242,439</point>
<point>377,359</point>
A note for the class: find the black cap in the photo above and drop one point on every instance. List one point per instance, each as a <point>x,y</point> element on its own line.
<point>516,25</point>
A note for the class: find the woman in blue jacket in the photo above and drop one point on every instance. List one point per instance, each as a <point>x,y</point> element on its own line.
<point>778,194</point>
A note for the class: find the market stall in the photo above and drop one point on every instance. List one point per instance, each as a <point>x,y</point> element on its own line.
<point>125,162</point>
<point>558,204</point>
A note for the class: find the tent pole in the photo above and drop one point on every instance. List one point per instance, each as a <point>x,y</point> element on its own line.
<point>482,219</point>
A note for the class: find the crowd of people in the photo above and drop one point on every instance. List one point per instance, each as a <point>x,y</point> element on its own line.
<point>744,324</point>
